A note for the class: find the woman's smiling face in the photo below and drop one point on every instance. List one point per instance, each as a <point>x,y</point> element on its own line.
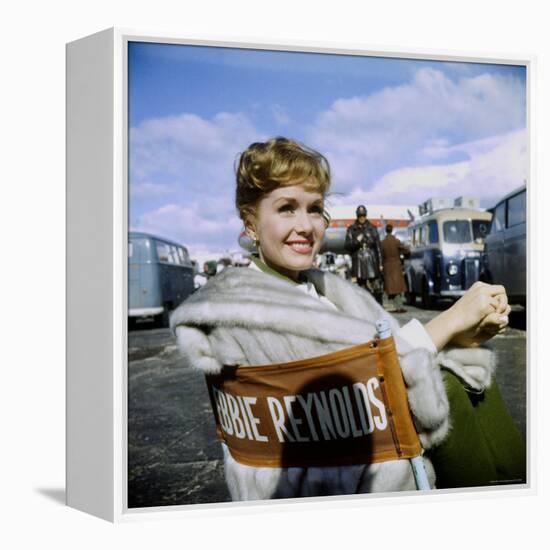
<point>289,226</point>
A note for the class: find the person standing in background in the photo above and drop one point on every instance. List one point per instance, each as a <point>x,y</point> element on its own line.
<point>394,281</point>
<point>363,244</point>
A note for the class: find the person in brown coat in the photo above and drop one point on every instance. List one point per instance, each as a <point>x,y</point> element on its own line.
<point>394,281</point>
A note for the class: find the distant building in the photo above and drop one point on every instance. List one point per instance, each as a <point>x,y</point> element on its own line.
<point>377,214</point>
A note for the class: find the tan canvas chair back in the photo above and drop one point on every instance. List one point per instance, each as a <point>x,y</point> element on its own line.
<point>342,408</point>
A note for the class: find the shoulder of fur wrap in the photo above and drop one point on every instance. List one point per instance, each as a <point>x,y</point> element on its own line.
<point>196,350</point>
<point>249,299</point>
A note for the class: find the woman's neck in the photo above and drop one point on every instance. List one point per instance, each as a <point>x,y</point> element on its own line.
<point>266,268</point>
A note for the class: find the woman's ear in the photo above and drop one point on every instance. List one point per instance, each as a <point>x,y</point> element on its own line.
<point>250,228</point>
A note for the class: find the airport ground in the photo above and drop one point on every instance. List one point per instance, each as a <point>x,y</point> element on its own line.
<point>173,455</point>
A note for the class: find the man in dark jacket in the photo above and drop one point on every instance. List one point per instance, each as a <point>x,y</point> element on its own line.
<point>363,244</point>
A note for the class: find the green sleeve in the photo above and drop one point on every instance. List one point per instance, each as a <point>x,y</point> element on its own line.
<point>483,447</point>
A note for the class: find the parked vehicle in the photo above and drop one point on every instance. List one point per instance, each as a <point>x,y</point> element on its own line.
<point>505,253</point>
<point>160,276</point>
<point>445,259</point>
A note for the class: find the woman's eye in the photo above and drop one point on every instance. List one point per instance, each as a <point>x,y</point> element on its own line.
<point>290,209</point>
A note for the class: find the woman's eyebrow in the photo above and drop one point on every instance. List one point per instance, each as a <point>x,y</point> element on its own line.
<point>285,199</point>
<point>319,203</point>
<point>294,201</point>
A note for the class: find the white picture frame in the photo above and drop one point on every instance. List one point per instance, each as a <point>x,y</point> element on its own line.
<point>97,235</point>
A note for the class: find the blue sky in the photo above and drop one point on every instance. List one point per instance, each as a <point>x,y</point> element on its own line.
<point>395,131</point>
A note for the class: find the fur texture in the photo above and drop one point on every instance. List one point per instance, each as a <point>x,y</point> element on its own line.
<point>243,317</point>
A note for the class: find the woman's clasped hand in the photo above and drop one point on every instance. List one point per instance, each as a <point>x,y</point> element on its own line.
<point>480,314</point>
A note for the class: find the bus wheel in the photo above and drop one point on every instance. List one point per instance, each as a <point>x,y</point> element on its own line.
<point>428,302</point>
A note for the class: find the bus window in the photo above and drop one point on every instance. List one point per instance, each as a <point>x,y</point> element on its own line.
<point>416,236</point>
<point>137,250</point>
<point>163,252</point>
<point>427,234</point>
<point>174,259</point>
<point>433,233</point>
<point>457,231</point>
<point>516,210</point>
<point>167,253</point>
<point>499,218</point>
<point>184,256</point>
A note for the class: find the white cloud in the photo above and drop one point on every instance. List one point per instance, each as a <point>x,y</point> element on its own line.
<point>149,189</point>
<point>494,167</point>
<point>365,137</point>
<point>280,115</point>
<point>433,136</point>
<point>188,225</point>
<point>190,159</point>
<point>423,179</point>
<point>200,153</point>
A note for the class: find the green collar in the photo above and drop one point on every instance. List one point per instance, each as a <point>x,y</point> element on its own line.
<point>266,269</point>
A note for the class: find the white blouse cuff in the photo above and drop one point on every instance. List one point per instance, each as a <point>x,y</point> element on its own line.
<point>416,336</point>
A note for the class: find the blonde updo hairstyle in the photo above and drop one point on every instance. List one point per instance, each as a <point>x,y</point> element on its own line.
<point>278,162</point>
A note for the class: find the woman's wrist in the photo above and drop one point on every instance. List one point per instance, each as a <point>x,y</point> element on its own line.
<point>443,328</point>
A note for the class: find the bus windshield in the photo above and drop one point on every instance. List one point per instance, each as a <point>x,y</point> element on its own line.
<point>457,231</point>
<point>139,250</point>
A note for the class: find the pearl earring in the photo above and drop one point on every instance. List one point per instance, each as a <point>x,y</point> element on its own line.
<point>255,240</point>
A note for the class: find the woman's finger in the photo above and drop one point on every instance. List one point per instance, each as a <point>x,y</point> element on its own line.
<point>503,316</point>
<point>488,305</point>
<point>504,320</point>
<point>503,302</point>
<point>493,320</point>
<point>494,290</point>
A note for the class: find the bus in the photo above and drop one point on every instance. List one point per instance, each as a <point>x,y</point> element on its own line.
<point>446,247</point>
<point>160,276</point>
<point>505,255</point>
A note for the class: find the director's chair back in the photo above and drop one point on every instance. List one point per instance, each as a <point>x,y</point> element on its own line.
<point>342,408</point>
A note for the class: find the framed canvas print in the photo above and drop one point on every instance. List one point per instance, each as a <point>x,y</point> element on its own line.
<point>295,274</point>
